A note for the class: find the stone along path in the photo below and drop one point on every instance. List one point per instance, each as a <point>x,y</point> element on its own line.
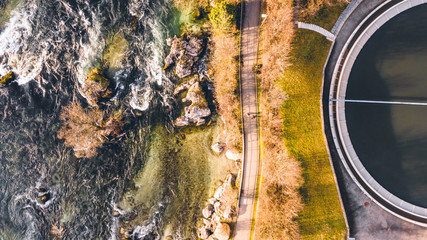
<point>248,86</point>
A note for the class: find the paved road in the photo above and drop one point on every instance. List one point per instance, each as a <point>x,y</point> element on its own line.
<point>250,121</point>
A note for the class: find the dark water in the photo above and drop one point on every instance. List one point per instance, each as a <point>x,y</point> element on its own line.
<point>50,46</point>
<point>391,140</point>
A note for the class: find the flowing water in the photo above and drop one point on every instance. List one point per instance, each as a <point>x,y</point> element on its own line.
<point>390,140</point>
<point>151,175</point>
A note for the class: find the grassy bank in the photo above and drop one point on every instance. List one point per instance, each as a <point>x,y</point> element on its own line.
<point>321,216</point>
<point>181,172</point>
<point>298,196</point>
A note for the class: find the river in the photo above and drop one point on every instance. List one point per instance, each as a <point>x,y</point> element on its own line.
<point>155,176</point>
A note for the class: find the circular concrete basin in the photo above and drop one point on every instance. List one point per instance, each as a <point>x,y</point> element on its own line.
<point>384,146</point>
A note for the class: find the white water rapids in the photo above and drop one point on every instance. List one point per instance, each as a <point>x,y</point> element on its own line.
<point>50,46</point>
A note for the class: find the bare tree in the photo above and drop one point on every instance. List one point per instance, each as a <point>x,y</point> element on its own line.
<point>87,129</point>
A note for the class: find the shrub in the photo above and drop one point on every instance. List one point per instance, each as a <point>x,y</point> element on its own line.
<point>87,129</point>
<point>223,17</point>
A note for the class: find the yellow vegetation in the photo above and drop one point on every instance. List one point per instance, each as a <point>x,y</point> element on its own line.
<point>225,72</point>
<point>225,65</point>
<point>6,79</point>
<point>226,84</point>
<point>279,200</point>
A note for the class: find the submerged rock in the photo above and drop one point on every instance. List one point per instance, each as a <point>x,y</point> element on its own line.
<point>222,231</point>
<point>96,87</point>
<point>44,197</point>
<point>116,213</point>
<point>6,79</point>
<point>184,54</point>
<point>198,110</point>
<point>57,232</point>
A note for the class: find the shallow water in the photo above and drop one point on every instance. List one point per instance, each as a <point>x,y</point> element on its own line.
<point>50,46</point>
<point>391,140</point>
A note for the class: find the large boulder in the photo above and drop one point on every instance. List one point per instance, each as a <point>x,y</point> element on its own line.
<point>185,52</point>
<point>198,110</point>
<point>222,231</point>
<point>218,147</point>
<point>96,86</point>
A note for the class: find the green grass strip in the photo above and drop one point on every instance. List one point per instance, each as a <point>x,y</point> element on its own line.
<point>322,216</point>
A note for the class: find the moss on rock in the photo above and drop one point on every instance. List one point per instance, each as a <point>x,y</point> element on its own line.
<point>97,87</point>
<point>6,79</point>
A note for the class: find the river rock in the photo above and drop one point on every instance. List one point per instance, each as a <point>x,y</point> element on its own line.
<point>56,231</point>
<point>219,192</point>
<point>228,213</point>
<point>198,110</point>
<point>231,179</point>
<point>96,87</point>
<point>207,211</point>
<point>116,213</point>
<point>212,200</point>
<point>182,121</point>
<point>7,79</point>
<point>218,147</point>
<point>232,155</point>
<point>184,54</point>
<point>222,231</point>
<point>209,223</point>
<point>204,232</point>
<point>217,206</point>
<point>184,86</point>
<point>216,218</point>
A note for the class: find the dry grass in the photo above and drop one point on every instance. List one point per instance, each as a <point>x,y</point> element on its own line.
<point>298,198</point>
<point>279,201</point>
<point>226,69</point>
<point>226,85</point>
<point>310,7</point>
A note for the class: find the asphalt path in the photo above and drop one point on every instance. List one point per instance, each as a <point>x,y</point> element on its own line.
<point>248,85</point>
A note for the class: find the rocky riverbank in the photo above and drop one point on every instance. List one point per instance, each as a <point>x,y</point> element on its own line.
<point>184,59</point>
<point>220,211</point>
<point>198,110</point>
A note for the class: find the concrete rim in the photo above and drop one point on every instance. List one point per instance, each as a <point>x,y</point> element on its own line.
<point>342,141</point>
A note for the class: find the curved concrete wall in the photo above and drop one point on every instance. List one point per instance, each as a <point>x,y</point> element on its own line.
<point>337,117</point>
